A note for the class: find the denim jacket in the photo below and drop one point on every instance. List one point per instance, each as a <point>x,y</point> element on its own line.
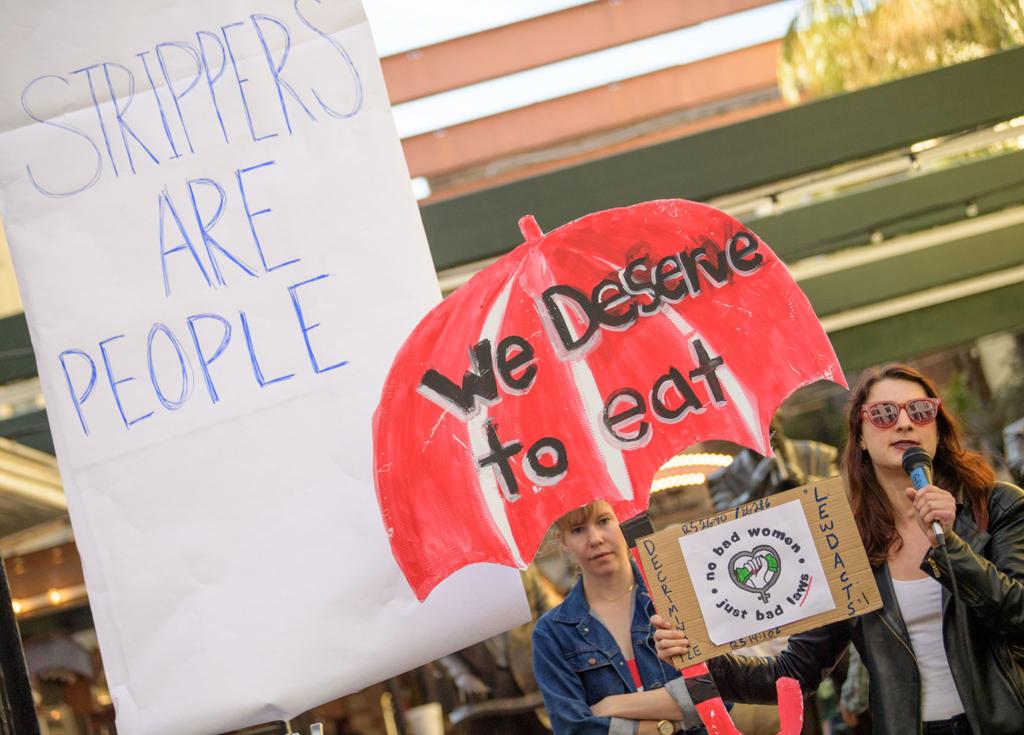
<point>577,664</point>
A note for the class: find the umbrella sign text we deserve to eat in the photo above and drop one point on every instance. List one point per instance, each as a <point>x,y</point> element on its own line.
<point>574,367</point>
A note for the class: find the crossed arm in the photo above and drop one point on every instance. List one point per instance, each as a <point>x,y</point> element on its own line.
<point>645,707</point>
<point>620,714</point>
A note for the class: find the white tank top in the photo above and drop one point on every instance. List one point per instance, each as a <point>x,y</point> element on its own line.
<point>920,602</point>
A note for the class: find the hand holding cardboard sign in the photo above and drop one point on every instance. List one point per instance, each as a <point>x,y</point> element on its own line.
<point>668,640</point>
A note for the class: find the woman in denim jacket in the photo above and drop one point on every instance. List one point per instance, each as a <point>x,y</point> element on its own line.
<point>598,642</point>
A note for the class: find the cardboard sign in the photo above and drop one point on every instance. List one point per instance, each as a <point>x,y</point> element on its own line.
<point>219,252</point>
<point>778,566</point>
<point>573,368</point>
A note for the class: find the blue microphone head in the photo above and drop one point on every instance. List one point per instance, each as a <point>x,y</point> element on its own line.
<point>916,457</point>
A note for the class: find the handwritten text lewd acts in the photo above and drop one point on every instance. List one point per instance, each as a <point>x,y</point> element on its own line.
<point>573,321</point>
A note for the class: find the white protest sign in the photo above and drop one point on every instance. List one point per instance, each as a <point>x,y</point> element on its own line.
<point>756,573</point>
<point>219,254</point>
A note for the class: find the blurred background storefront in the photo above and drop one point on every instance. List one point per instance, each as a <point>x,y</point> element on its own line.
<point>876,146</point>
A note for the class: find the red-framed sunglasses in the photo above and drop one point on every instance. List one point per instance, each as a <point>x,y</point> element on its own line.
<point>885,414</point>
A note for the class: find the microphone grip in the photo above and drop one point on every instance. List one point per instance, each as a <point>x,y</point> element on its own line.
<point>920,476</point>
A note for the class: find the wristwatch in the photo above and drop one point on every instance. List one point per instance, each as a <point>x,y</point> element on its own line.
<point>665,727</point>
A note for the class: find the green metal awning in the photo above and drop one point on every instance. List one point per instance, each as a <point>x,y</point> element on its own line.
<point>911,263</point>
<point>738,157</point>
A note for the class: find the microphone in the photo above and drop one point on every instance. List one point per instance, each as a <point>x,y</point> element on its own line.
<point>918,465</point>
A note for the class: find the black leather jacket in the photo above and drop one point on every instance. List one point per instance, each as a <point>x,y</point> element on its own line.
<point>983,633</point>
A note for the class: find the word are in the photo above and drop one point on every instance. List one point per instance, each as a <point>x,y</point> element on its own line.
<point>640,290</point>
<point>206,200</point>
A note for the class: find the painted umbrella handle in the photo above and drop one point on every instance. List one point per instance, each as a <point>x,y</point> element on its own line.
<point>708,702</point>
<point>715,716</point>
<point>791,706</point>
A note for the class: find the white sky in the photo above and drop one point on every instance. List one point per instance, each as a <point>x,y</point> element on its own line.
<point>401,25</point>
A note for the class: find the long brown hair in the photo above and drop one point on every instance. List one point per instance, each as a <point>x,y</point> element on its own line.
<point>954,468</point>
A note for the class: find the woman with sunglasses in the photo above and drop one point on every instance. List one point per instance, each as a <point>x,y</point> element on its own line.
<point>937,665</point>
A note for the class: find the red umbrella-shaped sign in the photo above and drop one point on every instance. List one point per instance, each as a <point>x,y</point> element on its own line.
<point>573,368</point>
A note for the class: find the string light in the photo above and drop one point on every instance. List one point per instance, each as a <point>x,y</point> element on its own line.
<point>685,480</point>
<point>52,597</point>
<point>698,460</point>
